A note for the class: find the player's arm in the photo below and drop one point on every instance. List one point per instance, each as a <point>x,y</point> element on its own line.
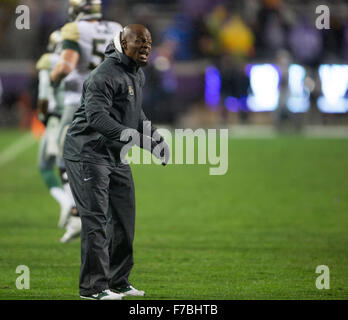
<point>67,63</point>
<point>70,55</point>
<point>43,66</point>
<point>44,87</point>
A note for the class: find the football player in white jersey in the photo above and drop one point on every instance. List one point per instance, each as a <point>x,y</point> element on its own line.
<point>84,42</point>
<point>50,109</point>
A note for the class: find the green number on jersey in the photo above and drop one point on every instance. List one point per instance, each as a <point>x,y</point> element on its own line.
<point>97,53</point>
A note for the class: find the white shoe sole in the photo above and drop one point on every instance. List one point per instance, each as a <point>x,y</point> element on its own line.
<point>73,230</point>
<point>66,239</point>
<point>134,294</point>
<point>89,298</point>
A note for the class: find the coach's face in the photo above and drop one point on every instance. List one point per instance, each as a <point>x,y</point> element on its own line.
<point>137,43</point>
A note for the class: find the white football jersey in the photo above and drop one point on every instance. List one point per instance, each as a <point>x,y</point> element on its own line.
<point>92,39</point>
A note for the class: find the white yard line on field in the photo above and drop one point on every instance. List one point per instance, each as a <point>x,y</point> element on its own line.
<point>16,148</point>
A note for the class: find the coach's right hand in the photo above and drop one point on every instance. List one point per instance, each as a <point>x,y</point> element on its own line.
<point>159,149</point>
<point>165,152</point>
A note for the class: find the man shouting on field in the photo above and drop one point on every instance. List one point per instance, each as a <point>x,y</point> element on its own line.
<point>101,180</point>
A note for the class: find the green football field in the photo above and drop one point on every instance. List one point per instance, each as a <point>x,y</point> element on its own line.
<point>258,232</point>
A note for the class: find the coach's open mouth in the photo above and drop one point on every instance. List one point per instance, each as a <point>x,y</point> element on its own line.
<point>143,55</point>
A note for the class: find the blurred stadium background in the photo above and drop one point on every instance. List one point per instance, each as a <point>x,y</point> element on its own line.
<point>219,62</point>
<point>257,67</point>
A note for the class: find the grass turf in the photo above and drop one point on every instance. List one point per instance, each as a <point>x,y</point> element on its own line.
<point>258,232</point>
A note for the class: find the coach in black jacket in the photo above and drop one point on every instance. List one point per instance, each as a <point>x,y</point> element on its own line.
<point>101,183</point>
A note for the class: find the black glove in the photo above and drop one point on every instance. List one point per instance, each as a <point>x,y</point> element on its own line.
<point>164,151</point>
<point>159,149</point>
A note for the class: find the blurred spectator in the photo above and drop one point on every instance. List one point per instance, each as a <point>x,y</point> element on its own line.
<point>284,119</point>
<point>208,30</point>
<point>199,8</point>
<point>161,82</point>
<point>345,41</point>
<point>234,87</point>
<point>6,15</point>
<point>204,45</point>
<point>181,32</point>
<point>333,39</point>
<point>282,113</point>
<point>305,42</point>
<point>270,28</point>
<point>51,18</point>
<point>216,19</point>
<point>143,14</point>
<point>45,16</point>
<point>192,34</point>
<point>236,37</point>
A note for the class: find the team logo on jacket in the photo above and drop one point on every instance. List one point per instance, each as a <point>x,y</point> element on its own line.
<point>130,90</point>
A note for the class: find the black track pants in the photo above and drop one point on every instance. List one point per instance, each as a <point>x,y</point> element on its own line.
<point>105,200</point>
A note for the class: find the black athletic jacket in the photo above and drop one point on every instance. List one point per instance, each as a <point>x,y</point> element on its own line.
<point>111,102</point>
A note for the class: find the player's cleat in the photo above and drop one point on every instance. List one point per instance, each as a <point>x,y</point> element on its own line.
<point>73,229</point>
<point>129,291</point>
<point>64,214</point>
<point>104,295</point>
